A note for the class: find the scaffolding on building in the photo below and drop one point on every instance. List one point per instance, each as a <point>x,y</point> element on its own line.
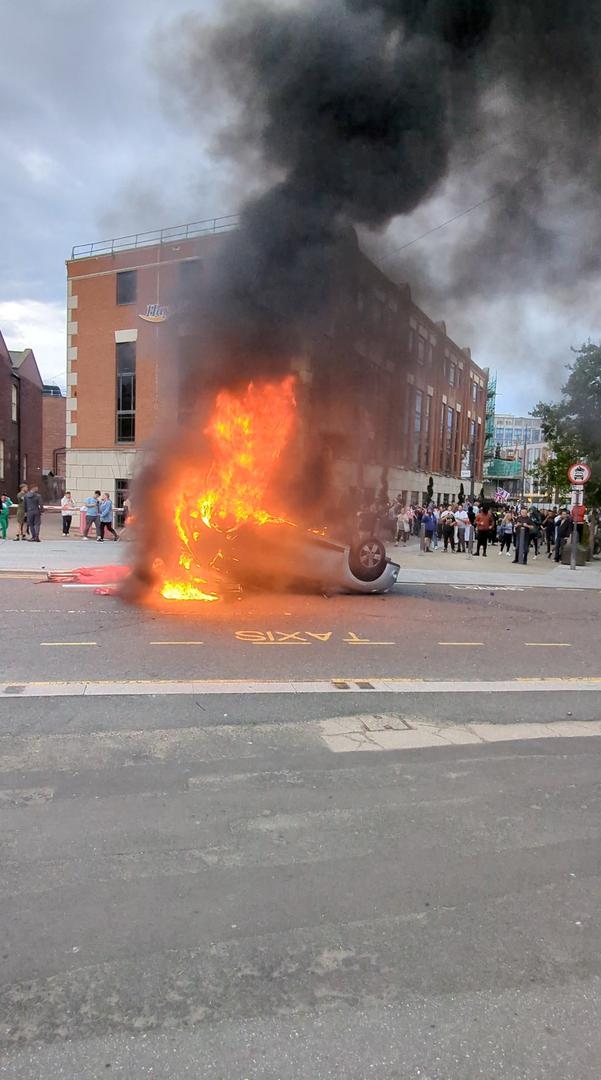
<point>489,427</point>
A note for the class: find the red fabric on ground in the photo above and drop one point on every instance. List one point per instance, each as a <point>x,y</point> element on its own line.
<point>101,575</point>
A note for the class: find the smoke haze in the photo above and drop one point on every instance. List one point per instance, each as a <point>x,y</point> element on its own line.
<point>362,113</point>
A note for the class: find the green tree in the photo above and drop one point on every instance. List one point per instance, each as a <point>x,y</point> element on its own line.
<point>572,426</point>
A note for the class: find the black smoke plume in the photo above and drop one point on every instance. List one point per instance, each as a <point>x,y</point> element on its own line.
<point>363,109</point>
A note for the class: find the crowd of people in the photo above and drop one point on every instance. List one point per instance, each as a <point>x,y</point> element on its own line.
<point>472,528</point>
<point>29,509</point>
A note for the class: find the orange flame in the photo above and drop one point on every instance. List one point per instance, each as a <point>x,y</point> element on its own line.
<point>247,434</point>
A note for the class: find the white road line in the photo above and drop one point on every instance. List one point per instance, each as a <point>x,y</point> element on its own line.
<point>67,644</point>
<point>176,642</point>
<point>25,796</point>
<point>550,644</point>
<point>350,734</point>
<point>162,687</point>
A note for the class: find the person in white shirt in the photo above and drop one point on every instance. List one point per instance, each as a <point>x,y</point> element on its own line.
<point>462,520</point>
<point>67,510</point>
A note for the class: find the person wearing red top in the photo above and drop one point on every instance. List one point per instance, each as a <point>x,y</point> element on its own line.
<point>484,523</point>
<point>578,513</point>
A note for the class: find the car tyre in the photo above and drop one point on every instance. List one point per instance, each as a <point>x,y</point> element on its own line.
<point>367,559</point>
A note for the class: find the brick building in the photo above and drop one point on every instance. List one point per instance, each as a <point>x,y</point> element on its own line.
<point>405,402</point>
<point>20,419</point>
<point>54,420</point>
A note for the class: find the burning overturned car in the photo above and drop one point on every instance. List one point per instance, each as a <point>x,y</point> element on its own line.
<point>220,534</point>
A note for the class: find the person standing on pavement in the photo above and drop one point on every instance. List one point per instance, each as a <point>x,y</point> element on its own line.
<point>92,505</point>
<point>67,510</point>
<point>563,532</point>
<point>536,519</point>
<point>429,523</point>
<point>106,517</point>
<point>549,529</point>
<point>484,524</point>
<point>506,527</point>
<point>448,528</point>
<point>435,512</point>
<point>21,515</point>
<point>33,510</point>
<point>5,505</point>
<point>462,520</point>
<point>524,528</point>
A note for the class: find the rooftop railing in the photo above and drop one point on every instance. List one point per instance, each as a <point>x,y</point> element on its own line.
<point>156,236</point>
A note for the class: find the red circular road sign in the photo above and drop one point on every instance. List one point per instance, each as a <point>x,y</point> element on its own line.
<point>579,473</point>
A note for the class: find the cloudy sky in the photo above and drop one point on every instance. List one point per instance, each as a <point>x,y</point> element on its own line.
<point>94,145</point>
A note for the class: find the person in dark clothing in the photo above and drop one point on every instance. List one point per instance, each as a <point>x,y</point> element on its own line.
<point>524,528</point>
<point>492,534</point>
<point>563,533</point>
<point>448,529</point>
<point>549,529</point>
<point>33,510</point>
<point>536,519</point>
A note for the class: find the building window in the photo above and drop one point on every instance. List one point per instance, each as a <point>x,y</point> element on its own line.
<point>190,275</point>
<point>127,287</point>
<point>1,459</point>
<point>448,446</point>
<point>417,421</point>
<point>24,472</point>
<point>411,340</point>
<point>427,416</point>
<point>126,391</point>
<point>121,490</point>
<point>474,391</point>
<point>14,403</point>
<point>421,350</point>
<point>452,374</point>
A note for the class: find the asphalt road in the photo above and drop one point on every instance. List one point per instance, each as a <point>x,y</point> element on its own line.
<point>55,632</point>
<point>197,886</point>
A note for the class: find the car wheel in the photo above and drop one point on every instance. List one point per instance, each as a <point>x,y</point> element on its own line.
<point>367,559</point>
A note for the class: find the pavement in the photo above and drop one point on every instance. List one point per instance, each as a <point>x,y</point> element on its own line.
<point>437,567</point>
<point>294,836</point>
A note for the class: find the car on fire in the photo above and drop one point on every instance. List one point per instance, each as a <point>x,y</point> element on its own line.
<point>279,556</point>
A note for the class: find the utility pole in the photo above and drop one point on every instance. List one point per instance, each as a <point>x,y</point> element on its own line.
<point>472,469</point>
<point>524,464</point>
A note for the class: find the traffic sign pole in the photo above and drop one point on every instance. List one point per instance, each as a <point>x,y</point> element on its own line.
<point>578,474</point>
<point>577,492</point>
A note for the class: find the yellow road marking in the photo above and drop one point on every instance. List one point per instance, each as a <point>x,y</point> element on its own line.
<point>176,643</point>
<point>461,643</point>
